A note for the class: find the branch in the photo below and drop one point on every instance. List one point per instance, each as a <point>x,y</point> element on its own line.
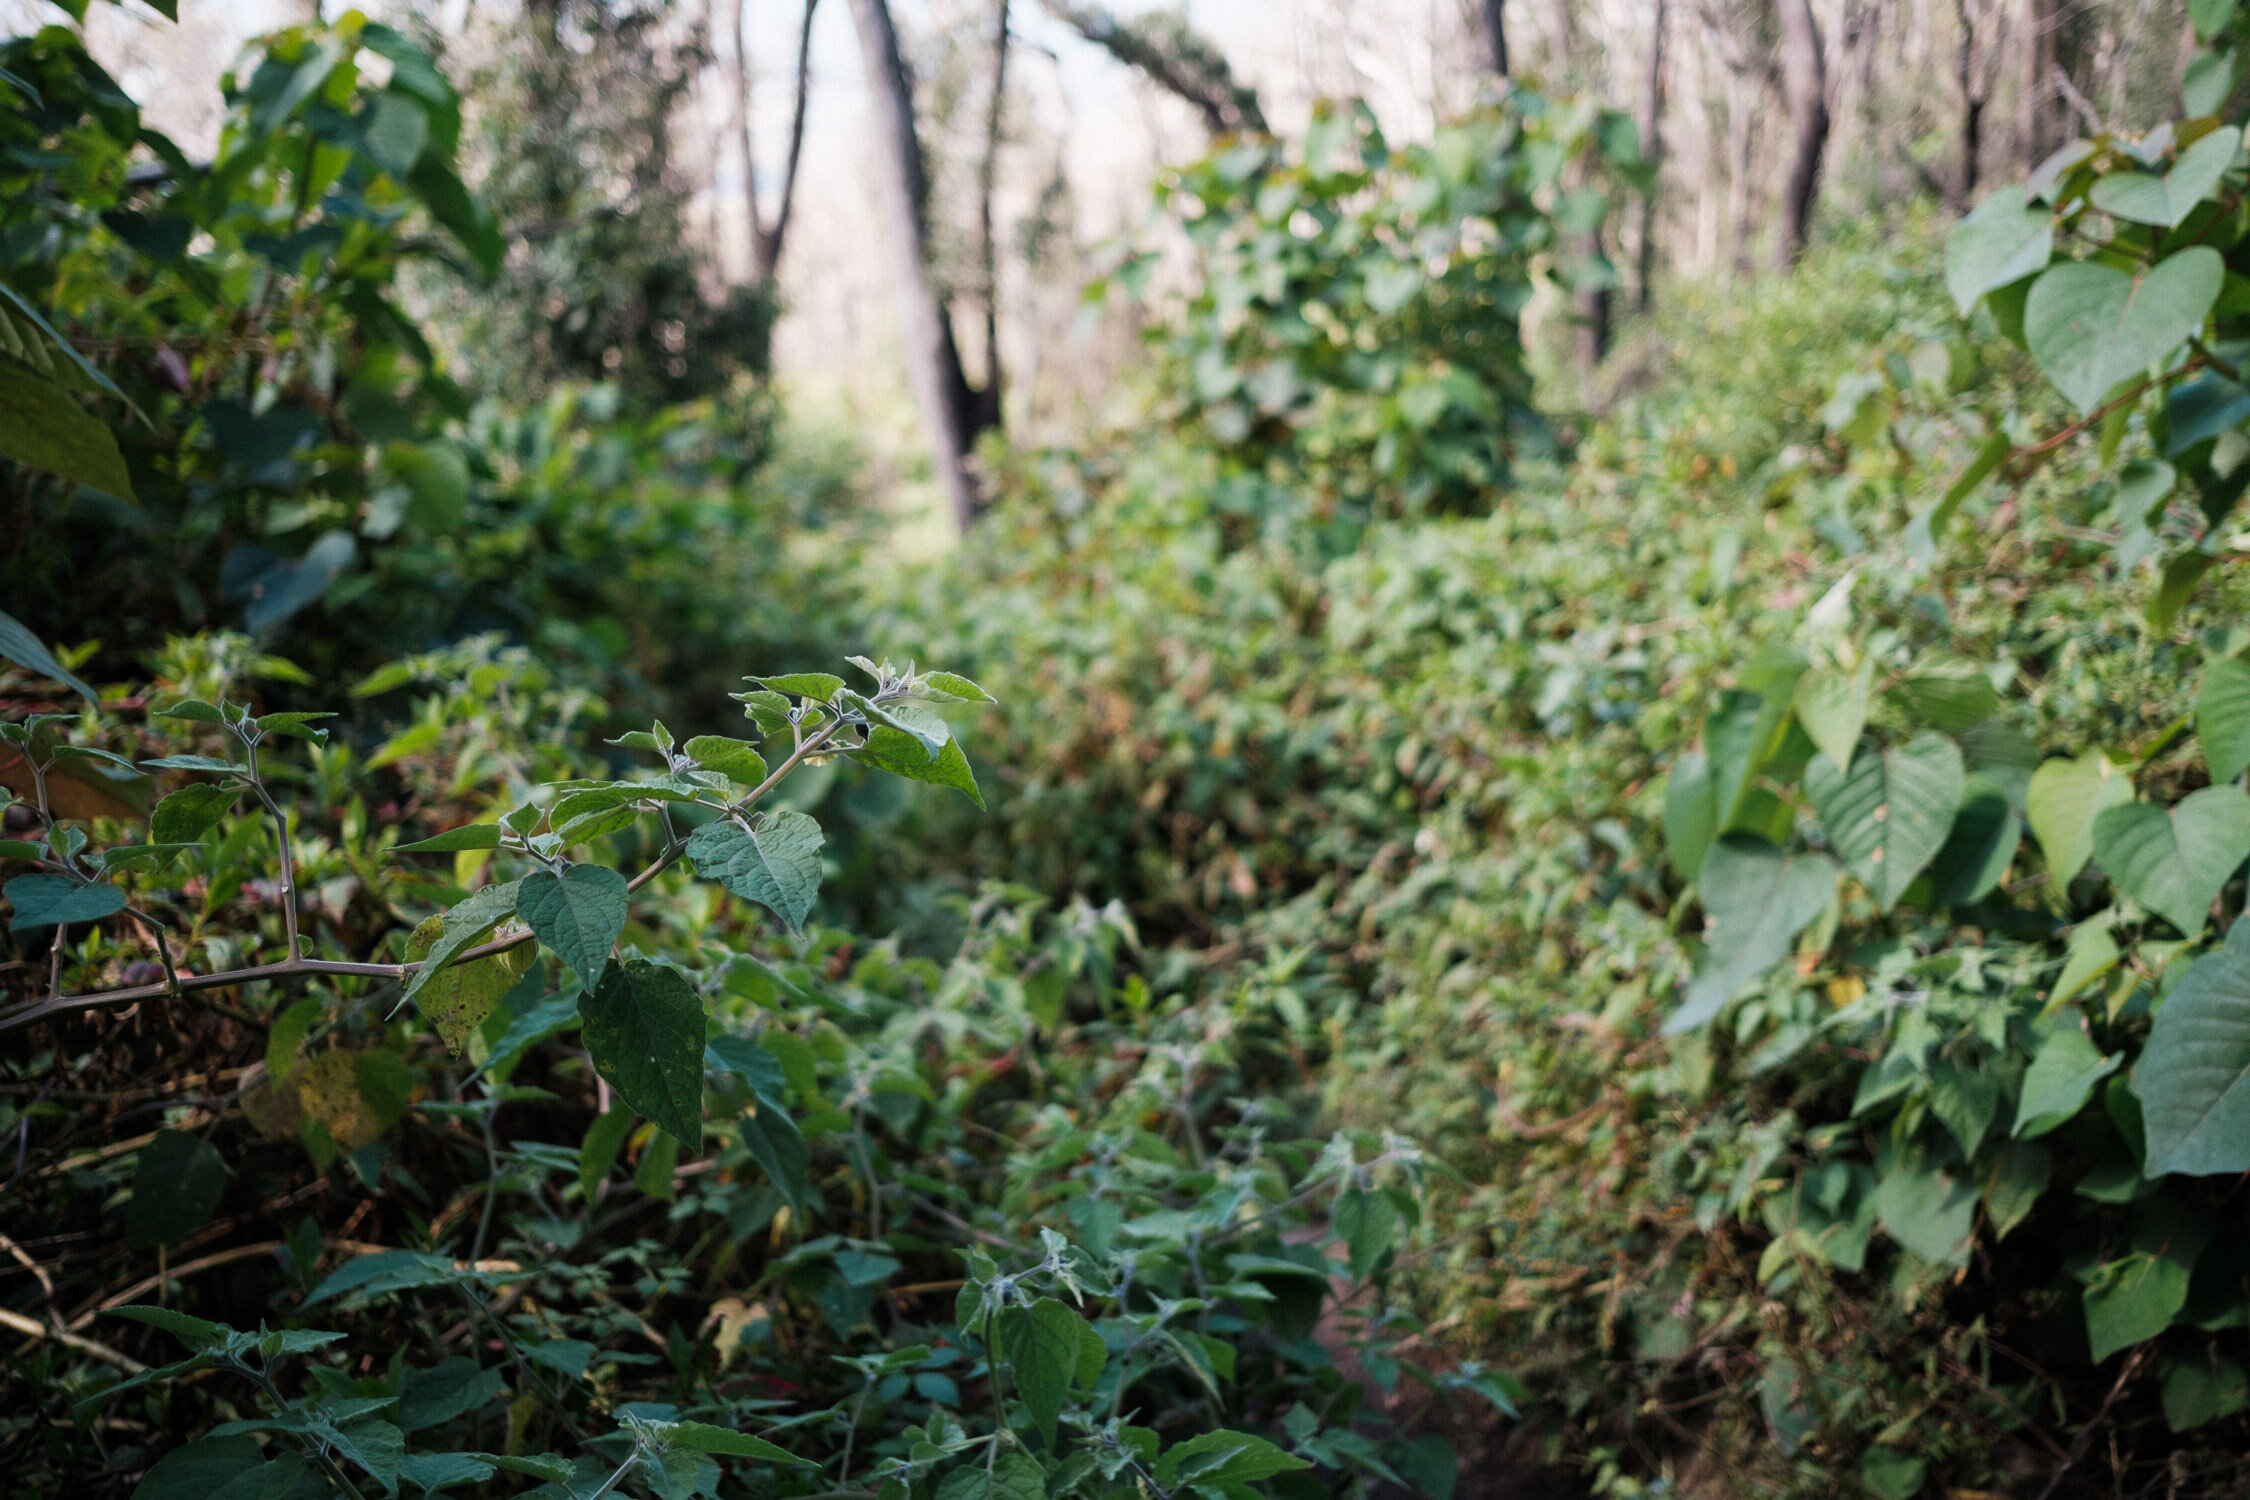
<point>1164,47</point>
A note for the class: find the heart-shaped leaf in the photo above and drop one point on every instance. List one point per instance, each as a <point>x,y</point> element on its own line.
<point>579,914</point>
<point>2146,198</point>
<point>2090,325</point>
<point>1758,900</point>
<point>1889,814</point>
<point>775,861</point>
<point>46,900</point>
<point>2193,1077</point>
<point>2064,799</point>
<point>2002,242</point>
<point>645,1031</point>
<point>2173,860</point>
<point>2222,718</point>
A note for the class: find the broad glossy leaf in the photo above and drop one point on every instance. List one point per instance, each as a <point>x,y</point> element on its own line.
<point>2064,799</point>
<point>1758,900</point>
<point>2193,1077</point>
<point>2167,200</point>
<point>177,1183</point>
<point>48,900</point>
<point>579,914</point>
<point>2002,241</point>
<point>2061,1077</point>
<point>775,861</point>
<point>2132,1300</point>
<point>2173,860</point>
<point>645,1032</point>
<point>1927,1210</point>
<point>1889,814</point>
<point>2222,717</point>
<point>2091,325</point>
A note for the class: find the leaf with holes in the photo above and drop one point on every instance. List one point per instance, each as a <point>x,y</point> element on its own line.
<point>775,861</point>
<point>465,926</point>
<point>1889,814</point>
<point>645,1032</point>
<point>2173,860</point>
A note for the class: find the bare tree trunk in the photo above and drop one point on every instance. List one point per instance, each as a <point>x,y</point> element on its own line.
<point>766,238</point>
<point>1805,83</point>
<point>988,255</point>
<point>1652,141</point>
<point>933,361</point>
<point>1972,110</point>
<point>1493,13</point>
<point>2039,86</point>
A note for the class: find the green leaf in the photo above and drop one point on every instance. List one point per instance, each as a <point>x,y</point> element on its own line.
<point>2166,201</point>
<point>2092,953</point>
<point>1224,1457</point>
<point>2019,1177</point>
<point>2193,1077</point>
<point>1689,825</point>
<point>198,1470</point>
<point>2061,1077</point>
<point>704,1438</point>
<point>774,861</point>
<point>597,1153</point>
<point>2001,242</point>
<point>2176,585</point>
<point>191,812</point>
<point>645,1031</point>
<point>2197,1390</point>
<point>1956,697</point>
<point>777,1146</point>
<point>751,1063</point>
<point>2173,860</point>
<point>580,915</point>
<point>1980,847</point>
<point>2090,325</point>
<point>901,754</point>
<point>436,476</point>
<point>1988,457</point>
<point>737,759</point>
<point>467,836</point>
<point>460,996</point>
<point>1014,1476</point>
<point>451,1388</point>
<point>1832,705</point>
<point>32,340</point>
<point>177,1183</point>
<point>450,202</point>
<point>1369,1225</point>
<point>2210,17</point>
<point>43,425</point>
<point>466,925</point>
<point>1889,814</point>
<point>49,900</point>
<point>769,711</point>
<point>1040,1344</point>
<point>2222,717</point>
<point>1888,1474</point>
<point>389,1271</point>
<point>19,645</point>
<point>194,1332</point>
<point>953,685</point>
<point>1758,900</point>
<point>2064,799</point>
<point>2132,1300</point>
<point>1928,1211</point>
<point>818,686</point>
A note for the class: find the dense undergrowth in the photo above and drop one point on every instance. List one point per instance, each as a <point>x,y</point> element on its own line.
<point>1681,960</point>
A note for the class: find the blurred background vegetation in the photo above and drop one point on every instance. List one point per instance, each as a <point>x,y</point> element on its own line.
<point>1357,442</point>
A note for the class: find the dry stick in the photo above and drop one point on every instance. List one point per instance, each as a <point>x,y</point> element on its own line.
<point>2086,1433</point>
<point>33,1328</point>
<point>32,1012</point>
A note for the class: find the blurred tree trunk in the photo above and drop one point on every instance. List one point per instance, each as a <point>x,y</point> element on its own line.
<point>988,254</point>
<point>767,238</point>
<point>950,408</point>
<point>1652,150</point>
<point>1494,15</point>
<point>1974,71</point>
<point>1805,84</point>
<point>2040,57</point>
